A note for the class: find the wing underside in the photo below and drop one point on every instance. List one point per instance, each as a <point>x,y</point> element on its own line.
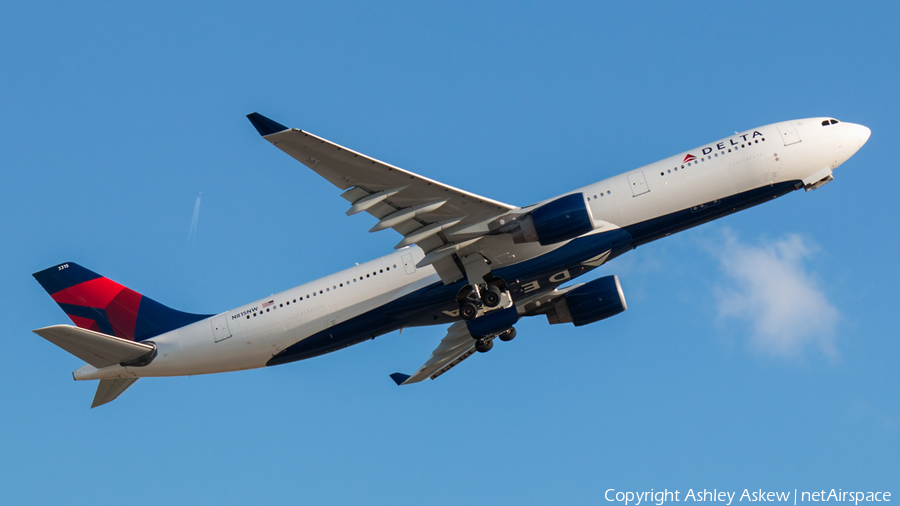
<point>455,347</point>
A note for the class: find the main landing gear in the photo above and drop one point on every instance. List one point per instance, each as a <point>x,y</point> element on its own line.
<point>485,294</point>
<point>484,344</point>
<point>475,300</point>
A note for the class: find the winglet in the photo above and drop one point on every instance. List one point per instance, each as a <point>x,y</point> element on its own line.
<point>399,378</point>
<point>264,125</point>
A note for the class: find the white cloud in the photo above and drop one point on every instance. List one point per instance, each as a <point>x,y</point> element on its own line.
<point>769,286</point>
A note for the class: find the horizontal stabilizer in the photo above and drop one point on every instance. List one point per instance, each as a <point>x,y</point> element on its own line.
<point>399,378</point>
<point>110,389</point>
<point>99,350</point>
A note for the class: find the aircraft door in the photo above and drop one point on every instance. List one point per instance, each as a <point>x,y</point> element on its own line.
<point>788,133</point>
<point>408,263</point>
<point>638,183</point>
<point>220,327</point>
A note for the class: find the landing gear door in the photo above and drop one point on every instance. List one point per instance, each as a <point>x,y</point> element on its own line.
<point>220,327</point>
<point>638,183</point>
<point>788,133</point>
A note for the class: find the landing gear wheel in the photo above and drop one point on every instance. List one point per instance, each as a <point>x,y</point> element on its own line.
<point>468,310</point>
<point>509,335</point>
<point>491,297</point>
<point>484,345</point>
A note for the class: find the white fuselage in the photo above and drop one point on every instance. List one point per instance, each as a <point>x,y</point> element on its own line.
<point>250,335</point>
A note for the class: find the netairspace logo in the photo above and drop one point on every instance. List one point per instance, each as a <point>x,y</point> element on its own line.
<point>759,495</point>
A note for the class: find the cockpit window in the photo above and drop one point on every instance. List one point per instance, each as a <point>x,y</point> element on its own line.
<point>825,123</point>
<point>834,121</point>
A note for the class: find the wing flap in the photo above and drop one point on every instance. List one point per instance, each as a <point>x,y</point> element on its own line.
<point>99,350</point>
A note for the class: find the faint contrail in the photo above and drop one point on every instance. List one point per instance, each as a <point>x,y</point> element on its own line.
<point>193,233</point>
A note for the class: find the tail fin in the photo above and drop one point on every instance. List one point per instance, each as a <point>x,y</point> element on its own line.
<point>100,304</point>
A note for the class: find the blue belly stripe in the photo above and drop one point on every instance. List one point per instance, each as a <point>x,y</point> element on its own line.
<point>420,307</point>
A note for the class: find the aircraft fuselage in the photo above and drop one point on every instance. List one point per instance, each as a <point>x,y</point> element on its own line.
<point>390,292</point>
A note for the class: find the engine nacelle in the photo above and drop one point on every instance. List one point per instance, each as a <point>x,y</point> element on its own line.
<point>556,221</point>
<point>591,302</point>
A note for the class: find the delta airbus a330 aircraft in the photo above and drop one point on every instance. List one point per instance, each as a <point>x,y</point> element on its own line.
<point>475,264</point>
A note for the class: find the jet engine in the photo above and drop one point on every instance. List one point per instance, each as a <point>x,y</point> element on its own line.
<point>556,221</point>
<point>591,302</point>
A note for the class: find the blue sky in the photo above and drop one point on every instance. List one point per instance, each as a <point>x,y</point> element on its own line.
<point>118,116</point>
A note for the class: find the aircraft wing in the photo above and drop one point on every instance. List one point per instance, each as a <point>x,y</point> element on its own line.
<point>418,208</point>
<point>455,347</point>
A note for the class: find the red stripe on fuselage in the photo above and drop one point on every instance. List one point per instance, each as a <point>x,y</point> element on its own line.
<point>97,293</point>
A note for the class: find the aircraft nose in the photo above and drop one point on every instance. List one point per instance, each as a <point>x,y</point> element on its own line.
<point>862,134</point>
<point>858,135</point>
<point>851,138</point>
